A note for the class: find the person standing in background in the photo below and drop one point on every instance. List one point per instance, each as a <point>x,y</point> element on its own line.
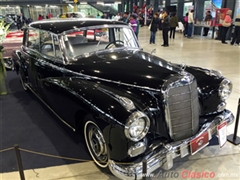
<point>173,25</point>
<point>133,23</point>
<point>40,17</point>
<point>20,21</point>
<point>154,27</point>
<point>206,19</point>
<point>110,15</point>
<point>190,24</point>
<point>49,15</point>
<point>236,35</point>
<point>125,17</point>
<point>165,28</point>
<point>185,23</point>
<point>227,20</point>
<point>138,25</point>
<point>117,17</point>
<point>98,16</point>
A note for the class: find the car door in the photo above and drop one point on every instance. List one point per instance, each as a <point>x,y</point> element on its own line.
<point>50,62</point>
<point>39,55</point>
<point>52,78</point>
<point>30,52</point>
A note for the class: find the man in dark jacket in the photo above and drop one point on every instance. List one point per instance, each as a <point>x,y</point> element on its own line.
<point>207,18</point>
<point>165,28</point>
<point>154,25</point>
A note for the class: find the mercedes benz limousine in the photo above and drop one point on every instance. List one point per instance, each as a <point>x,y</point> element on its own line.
<point>130,105</point>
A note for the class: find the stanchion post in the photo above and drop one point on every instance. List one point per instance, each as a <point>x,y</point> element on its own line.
<point>144,169</point>
<point>233,138</point>
<point>19,161</point>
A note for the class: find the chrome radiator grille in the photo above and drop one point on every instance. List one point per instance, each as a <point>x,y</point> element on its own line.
<point>183,111</point>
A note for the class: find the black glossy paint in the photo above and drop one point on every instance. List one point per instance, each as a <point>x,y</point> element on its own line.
<point>208,86</point>
<point>87,86</point>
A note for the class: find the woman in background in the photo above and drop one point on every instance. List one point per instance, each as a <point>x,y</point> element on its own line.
<point>133,23</point>
<point>185,23</point>
<point>227,20</point>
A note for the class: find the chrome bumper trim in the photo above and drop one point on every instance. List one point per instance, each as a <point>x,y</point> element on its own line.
<point>165,155</point>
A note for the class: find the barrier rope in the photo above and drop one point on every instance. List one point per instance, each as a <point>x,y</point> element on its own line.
<point>62,157</point>
<point>84,160</point>
<point>53,156</point>
<point>4,150</point>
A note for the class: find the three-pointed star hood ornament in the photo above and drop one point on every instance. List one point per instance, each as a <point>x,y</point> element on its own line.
<point>183,67</point>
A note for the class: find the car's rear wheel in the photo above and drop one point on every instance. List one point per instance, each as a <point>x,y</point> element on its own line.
<point>95,143</point>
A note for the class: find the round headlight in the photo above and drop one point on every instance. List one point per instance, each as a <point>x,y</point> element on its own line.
<point>225,89</point>
<point>137,126</point>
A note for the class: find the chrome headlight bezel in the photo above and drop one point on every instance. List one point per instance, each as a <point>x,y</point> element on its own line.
<point>137,116</point>
<point>225,89</point>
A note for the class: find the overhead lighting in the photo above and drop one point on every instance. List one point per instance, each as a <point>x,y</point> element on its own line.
<point>52,6</point>
<point>117,2</point>
<point>83,2</point>
<point>70,5</point>
<point>100,3</point>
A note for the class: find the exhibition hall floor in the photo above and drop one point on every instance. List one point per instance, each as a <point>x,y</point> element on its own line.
<point>198,51</point>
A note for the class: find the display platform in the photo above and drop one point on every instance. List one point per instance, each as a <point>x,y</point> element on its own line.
<point>24,120</point>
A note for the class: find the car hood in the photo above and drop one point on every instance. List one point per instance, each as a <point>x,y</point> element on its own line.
<point>132,67</point>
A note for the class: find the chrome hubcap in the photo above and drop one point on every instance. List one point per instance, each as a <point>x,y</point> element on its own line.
<point>97,144</point>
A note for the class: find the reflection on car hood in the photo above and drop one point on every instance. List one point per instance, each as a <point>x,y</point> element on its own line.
<point>132,67</point>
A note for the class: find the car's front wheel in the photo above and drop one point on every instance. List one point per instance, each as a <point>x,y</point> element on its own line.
<point>95,143</point>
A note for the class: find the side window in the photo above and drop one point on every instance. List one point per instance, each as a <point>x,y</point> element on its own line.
<point>46,44</point>
<point>33,39</point>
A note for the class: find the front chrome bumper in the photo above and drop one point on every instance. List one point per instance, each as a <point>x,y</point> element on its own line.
<point>165,154</point>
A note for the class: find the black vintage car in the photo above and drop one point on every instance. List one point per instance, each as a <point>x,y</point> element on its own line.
<point>129,104</point>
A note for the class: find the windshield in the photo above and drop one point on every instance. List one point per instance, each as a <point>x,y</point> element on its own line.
<point>90,40</point>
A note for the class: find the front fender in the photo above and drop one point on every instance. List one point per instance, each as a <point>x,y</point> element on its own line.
<point>208,86</point>
<point>110,115</point>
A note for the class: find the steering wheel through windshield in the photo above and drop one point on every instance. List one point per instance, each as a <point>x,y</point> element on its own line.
<point>114,44</point>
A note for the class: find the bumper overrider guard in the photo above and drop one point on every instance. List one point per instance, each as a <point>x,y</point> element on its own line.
<point>163,156</point>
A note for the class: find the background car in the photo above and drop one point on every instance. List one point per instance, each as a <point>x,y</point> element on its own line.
<point>129,104</point>
<point>12,42</point>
